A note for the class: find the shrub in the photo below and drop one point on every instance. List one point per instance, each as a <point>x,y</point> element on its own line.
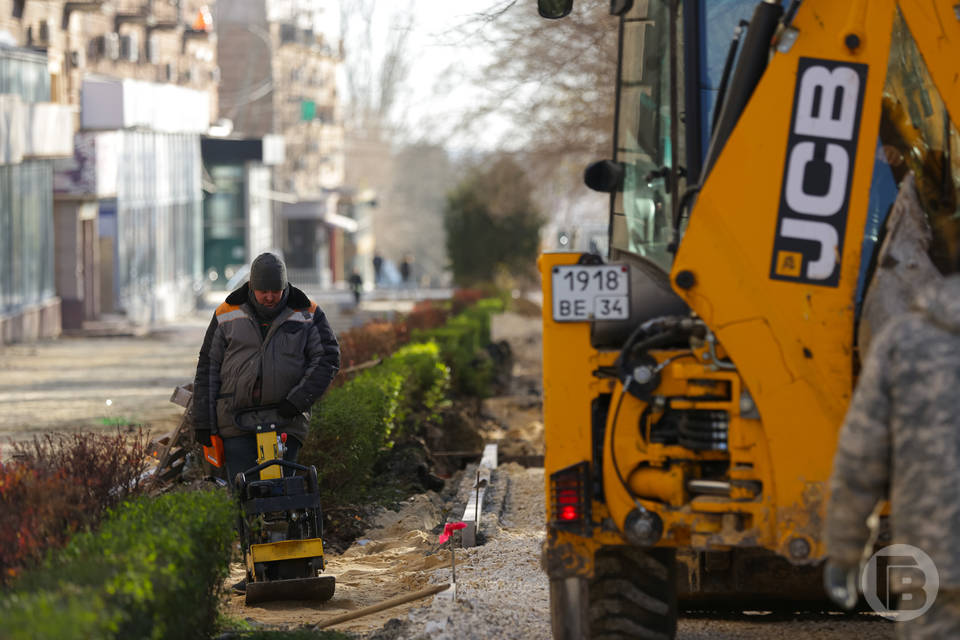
<point>153,570</point>
<point>378,338</point>
<point>426,382</point>
<point>427,314</point>
<point>348,428</point>
<point>461,341</point>
<point>57,486</point>
<point>372,340</point>
<point>355,421</point>
<point>463,299</point>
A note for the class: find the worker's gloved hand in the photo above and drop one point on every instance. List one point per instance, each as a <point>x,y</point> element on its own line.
<point>287,409</point>
<point>840,583</point>
<point>202,435</point>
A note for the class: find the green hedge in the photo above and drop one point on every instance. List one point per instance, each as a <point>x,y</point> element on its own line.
<point>152,570</point>
<point>462,341</point>
<point>354,422</point>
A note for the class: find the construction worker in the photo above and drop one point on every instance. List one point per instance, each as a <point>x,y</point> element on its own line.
<point>901,441</point>
<point>268,344</point>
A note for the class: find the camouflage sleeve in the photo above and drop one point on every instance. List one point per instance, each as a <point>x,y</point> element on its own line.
<point>861,465</point>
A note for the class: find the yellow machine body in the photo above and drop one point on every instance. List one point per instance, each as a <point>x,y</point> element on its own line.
<point>284,550</point>
<point>268,448</point>
<point>791,342</point>
<point>281,528</point>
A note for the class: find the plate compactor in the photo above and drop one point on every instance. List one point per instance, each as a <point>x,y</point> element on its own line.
<point>281,524</point>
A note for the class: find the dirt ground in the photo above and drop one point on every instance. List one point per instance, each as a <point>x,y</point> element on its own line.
<point>394,558</point>
<point>95,384</point>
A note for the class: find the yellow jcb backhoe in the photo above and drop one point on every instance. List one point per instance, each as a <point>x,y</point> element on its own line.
<point>696,377</point>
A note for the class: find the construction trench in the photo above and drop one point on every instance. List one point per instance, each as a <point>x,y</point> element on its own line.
<point>501,590</point>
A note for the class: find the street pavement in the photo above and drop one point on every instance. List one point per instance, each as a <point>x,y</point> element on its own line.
<point>116,376</point>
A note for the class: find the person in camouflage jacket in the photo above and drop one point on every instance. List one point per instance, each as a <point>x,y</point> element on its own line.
<point>267,344</point>
<point>901,441</point>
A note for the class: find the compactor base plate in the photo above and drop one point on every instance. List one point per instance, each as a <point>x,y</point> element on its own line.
<point>319,589</point>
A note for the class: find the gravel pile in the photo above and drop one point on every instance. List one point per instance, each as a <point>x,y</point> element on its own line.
<point>503,593</point>
<point>501,590</point>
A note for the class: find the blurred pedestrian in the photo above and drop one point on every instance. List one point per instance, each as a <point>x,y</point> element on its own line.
<point>900,441</point>
<point>377,268</point>
<point>356,286</point>
<point>268,344</point>
<point>406,267</point>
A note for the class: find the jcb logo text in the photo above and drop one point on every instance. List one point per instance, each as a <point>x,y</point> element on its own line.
<point>821,150</point>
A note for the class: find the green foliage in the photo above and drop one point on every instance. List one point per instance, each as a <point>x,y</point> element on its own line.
<point>491,222</point>
<point>426,381</point>
<point>348,428</point>
<point>153,570</point>
<point>461,343</point>
<point>355,421</point>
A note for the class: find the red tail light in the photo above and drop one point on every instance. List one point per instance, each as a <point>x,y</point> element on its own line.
<point>570,498</point>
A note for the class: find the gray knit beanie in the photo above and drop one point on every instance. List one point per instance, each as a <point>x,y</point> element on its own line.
<point>268,273</point>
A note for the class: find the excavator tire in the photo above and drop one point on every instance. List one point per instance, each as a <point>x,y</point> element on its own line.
<point>633,594</point>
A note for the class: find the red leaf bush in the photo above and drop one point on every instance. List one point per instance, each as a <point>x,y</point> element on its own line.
<point>463,299</point>
<point>374,339</point>
<point>55,486</point>
<point>380,338</point>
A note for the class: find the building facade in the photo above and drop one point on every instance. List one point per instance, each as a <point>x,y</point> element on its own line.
<point>279,77</point>
<point>138,79</point>
<point>137,156</point>
<point>237,205</point>
<point>33,131</point>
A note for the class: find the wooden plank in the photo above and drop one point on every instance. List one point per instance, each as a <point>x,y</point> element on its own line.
<point>386,604</point>
<point>362,366</point>
<point>172,472</point>
<point>182,394</point>
<point>159,445</point>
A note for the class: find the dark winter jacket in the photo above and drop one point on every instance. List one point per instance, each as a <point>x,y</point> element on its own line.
<point>296,361</point>
<point>901,438</point>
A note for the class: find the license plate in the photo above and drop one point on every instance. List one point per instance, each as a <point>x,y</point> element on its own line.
<point>582,293</point>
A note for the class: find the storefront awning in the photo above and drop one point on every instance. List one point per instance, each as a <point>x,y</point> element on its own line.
<point>319,210</point>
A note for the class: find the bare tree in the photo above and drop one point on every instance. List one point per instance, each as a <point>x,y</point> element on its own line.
<point>375,69</point>
<point>553,80</point>
<point>553,83</point>
<point>376,63</point>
